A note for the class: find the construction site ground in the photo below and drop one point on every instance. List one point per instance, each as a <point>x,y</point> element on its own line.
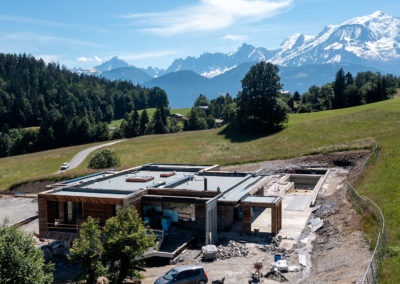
<point>335,253</point>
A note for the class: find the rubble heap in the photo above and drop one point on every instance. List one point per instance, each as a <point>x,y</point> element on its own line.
<point>274,248</point>
<point>233,249</point>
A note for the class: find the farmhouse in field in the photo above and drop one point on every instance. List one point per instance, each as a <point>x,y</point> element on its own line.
<point>179,202</point>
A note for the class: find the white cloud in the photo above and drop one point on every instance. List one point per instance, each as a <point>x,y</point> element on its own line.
<point>34,37</point>
<point>83,59</point>
<point>48,58</point>
<point>208,15</point>
<point>235,37</point>
<point>136,56</point>
<point>89,59</point>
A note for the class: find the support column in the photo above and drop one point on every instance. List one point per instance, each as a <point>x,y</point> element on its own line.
<point>280,216</point>
<point>246,219</point>
<point>42,208</point>
<point>61,211</point>
<point>276,218</point>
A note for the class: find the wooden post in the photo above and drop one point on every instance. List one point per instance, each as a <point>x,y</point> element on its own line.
<point>42,208</point>
<point>246,219</point>
<point>274,220</point>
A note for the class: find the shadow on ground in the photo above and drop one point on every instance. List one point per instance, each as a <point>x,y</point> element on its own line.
<point>237,135</point>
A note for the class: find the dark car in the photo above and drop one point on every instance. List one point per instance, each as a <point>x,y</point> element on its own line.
<point>185,274</point>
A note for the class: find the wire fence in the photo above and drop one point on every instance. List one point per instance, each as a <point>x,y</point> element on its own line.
<point>367,206</point>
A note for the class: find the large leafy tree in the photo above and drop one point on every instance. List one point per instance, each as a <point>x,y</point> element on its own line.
<point>127,241</point>
<point>104,159</point>
<point>20,260</point>
<point>88,250</point>
<point>259,105</point>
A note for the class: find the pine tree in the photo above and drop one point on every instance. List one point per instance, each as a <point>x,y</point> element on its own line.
<point>144,120</point>
<point>339,88</point>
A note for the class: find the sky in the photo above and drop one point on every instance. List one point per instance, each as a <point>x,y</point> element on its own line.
<point>155,32</point>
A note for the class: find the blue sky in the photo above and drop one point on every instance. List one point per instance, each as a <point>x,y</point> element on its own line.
<point>155,32</point>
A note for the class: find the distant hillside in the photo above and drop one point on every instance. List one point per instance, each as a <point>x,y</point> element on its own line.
<point>130,73</point>
<point>183,87</point>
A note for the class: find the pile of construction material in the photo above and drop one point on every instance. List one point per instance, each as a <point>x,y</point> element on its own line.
<point>209,252</point>
<point>233,249</point>
<point>275,248</point>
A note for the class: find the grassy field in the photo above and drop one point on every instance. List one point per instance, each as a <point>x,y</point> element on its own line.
<point>13,169</point>
<point>150,112</point>
<point>304,134</point>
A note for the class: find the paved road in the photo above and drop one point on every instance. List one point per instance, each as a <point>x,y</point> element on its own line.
<point>81,156</point>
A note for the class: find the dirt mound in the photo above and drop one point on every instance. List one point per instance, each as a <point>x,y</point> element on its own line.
<point>339,244</point>
<point>32,187</point>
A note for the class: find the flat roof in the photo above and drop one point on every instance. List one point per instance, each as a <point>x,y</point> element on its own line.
<point>119,182</point>
<point>213,182</point>
<point>233,186</point>
<point>88,194</point>
<point>261,199</point>
<point>242,190</point>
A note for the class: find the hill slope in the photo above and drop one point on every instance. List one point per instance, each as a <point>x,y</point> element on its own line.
<point>130,73</point>
<point>379,121</point>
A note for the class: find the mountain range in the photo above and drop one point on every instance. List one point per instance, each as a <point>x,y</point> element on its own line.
<point>369,42</point>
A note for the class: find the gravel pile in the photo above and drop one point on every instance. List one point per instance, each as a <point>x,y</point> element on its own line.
<point>233,249</point>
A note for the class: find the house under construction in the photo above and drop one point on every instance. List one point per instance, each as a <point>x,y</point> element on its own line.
<point>179,202</point>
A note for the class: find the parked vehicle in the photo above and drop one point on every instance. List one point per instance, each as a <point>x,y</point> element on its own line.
<point>64,166</point>
<point>185,274</point>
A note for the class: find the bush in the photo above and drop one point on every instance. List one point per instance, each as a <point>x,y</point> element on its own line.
<point>20,260</point>
<point>104,159</point>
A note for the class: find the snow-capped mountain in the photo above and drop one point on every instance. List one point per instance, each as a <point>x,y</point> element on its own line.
<point>118,69</point>
<point>372,40</point>
<point>111,64</point>
<point>364,43</point>
<point>213,64</point>
<point>369,40</point>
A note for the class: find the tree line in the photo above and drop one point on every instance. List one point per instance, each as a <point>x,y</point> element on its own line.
<point>69,108</point>
<point>345,91</point>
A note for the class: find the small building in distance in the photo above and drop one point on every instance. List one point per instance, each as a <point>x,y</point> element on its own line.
<point>178,116</point>
<point>219,122</point>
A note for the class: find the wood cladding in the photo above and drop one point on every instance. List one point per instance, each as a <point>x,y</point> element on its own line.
<point>83,199</point>
<point>52,211</point>
<point>42,207</point>
<point>99,211</point>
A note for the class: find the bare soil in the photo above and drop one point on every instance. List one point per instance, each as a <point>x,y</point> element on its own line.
<point>346,160</point>
<point>32,187</point>
<point>340,253</point>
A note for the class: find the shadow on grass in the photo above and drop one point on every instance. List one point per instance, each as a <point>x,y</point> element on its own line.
<point>238,135</point>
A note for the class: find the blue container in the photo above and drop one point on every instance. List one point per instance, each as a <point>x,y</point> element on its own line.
<point>277,257</point>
